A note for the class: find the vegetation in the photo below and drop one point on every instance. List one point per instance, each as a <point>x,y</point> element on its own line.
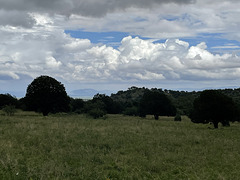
<point>178,118</point>
<point>93,140</point>
<point>7,100</point>
<point>157,104</point>
<point>213,106</point>
<point>45,94</point>
<point>9,110</point>
<point>121,147</point>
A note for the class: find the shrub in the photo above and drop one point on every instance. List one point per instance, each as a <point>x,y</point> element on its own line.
<point>96,113</point>
<point>131,111</point>
<point>9,110</point>
<point>178,118</point>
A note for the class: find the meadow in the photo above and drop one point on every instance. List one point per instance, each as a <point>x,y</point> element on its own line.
<point>65,146</point>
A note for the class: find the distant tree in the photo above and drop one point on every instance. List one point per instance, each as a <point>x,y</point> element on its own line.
<point>96,109</point>
<point>127,101</point>
<point>77,105</point>
<point>157,104</point>
<point>45,94</point>
<point>7,99</point>
<point>110,106</point>
<point>213,106</point>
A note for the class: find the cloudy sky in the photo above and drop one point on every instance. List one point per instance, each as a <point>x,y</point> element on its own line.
<point>115,44</point>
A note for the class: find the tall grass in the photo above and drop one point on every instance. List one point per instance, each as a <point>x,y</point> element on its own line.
<point>119,147</point>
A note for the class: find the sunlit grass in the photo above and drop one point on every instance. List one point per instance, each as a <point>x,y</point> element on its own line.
<point>119,147</point>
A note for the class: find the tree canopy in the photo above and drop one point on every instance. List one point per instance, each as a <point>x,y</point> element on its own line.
<point>45,94</point>
<point>213,106</point>
<point>157,104</point>
<point>7,99</point>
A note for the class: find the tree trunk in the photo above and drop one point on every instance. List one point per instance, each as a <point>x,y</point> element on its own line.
<point>215,125</point>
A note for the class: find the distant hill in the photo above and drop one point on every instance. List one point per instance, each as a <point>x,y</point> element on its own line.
<point>87,93</point>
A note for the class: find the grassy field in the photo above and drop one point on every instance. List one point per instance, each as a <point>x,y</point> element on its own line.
<point>119,147</point>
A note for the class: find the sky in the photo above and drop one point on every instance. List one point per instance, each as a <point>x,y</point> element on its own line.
<point>111,45</point>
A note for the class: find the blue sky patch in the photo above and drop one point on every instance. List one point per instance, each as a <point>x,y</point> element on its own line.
<point>109,38</point>
<point>214,41</point>
<point>112,39</point>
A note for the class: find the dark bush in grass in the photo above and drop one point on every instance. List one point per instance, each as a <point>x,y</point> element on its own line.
<point>178,118</point>
<point>96,113</point>
<point>77,105</point>
<point>9,110</point>
<point>131,111</point>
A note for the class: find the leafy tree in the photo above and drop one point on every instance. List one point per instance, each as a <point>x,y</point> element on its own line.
<point>96,109</point>
<point>213,106</point>
<point>128,100</point>
<point>45,94</point>
<point>77,105</point>
<point>156,103</point>
<point>7,99</point>
<point>110,106</point>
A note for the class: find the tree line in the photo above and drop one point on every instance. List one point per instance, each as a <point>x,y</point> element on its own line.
<point>47,95</point>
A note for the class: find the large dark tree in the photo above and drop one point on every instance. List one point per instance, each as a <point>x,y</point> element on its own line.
<point>156,103</point>
<point>45,94</point>
<point>213,106</point>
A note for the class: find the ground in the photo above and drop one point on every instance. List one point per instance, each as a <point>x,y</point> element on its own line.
<point>117,147</point>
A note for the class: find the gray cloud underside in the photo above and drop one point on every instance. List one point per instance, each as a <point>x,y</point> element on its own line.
<point>94,8</point>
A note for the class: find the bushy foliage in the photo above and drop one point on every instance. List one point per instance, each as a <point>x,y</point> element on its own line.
<point>77,105</point>
<point>213,106</point>
<point>156,103</point>
<point>178,117</point>
<point>45,94</point>
<point>110,106</point>
<point>9,110</point>
<point>7,99</point>
<point>96,113</point>
<point>131,111</point>
<point>129,99</point>
<point>96,109</point>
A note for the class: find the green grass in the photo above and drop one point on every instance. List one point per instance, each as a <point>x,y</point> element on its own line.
<point>119,147</point>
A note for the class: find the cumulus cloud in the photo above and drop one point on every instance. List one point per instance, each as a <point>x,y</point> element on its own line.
<point>49,50</point>
<point>33,41</point>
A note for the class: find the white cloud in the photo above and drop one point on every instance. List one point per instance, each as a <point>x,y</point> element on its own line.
<point>52,62</point>
<point>33,41</point>
<point>51,51</point>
